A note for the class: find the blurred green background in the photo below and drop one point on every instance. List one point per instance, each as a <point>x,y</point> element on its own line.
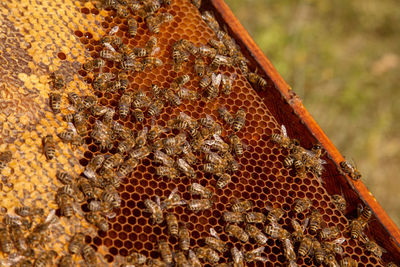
<point>343,59</point>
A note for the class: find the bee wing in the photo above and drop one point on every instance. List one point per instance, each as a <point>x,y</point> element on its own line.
<point>50,216</point>
<point>305,224</point>
<point>339,240</point>
<point>114,30</point>
<point>214,233</point>
<point>283,129</point>
<point>257,251</point>
<point>158,200</point>
<point>155,51</point>
<point>216,79</point>
<point>173,192</point>
<point>292,264</point>
<point>109,47</point>
<point>184,116</point>
<point>260,258</point>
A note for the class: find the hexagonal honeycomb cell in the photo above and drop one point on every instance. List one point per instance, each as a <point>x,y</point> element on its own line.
<point>262,177</point>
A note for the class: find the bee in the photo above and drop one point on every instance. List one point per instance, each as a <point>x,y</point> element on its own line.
<point>111,196</point>
<point>365,213</point>
<point>180,259</point>
<point>233,217</point>
<point>289,253</point>
<point>151,46</point>
<point>256,79</point>
<point>236,231</point>
<point>225,115</point>
<point>169,172</point>
<point>212,90</point>
<point>329,233</point>
<point>76,243</point>
<point>319,252</point>
<point>172,223</point>
<point>223,180</point>
<point>196,3</point>
<point>94,64</point>
<point>189,46</point>
<point>151,62</point>
<point>111,162</point>
<point>184,238</point>
<point>141,100</point>
<point>299,229</point>
<point>161,157</point>
<point>220,60</point>
<point>210,20</point>
<point>64,202</point>
<point>339,202</point>
<point>330,260</point>
<point>89,101</point>
<point>390,264</point>
<point>172,98</point>
<point>155,131</point>
<point>215,242</point>
<point>349,262</point>
<point>276,231</point>
<point>205,81</point>
<point>75,100</point>
<point>184,167</point>
<point>93,165</point>
<point>138,114</point>
<point>237,145</point>
<point>226,82</point>
<point>206,51</point>
<point>181,80</point>
<point>275,214</point>
<point>188,94</point>
<point>86,188</point>
<point>188,155</point>
<point>335,246</point>
<point>66,261</point>
<point>89,254</point>
<point>254,217</point>
<point>255,255</point>
<point>136,258</point>
<point>5,158</point>
<point>55,102</point>
<point>207,253</point>
<point>157,91</point>
<point>26,211</point>
<point>132,27</point>
<point>315,221</point>
<point>165,251</point>
<point>199,66</point>
<point>283,140</point>
<point>155,210</point>
<point>217,144</point>
<point>108,54</point>
<point>57,81</point>
<point>241,205</point>
<point>356,228</point>
<point>350,170</point>
<point>305,246</point>
<point>237,257</point>
<point>17,236</point>
<point>49,147</point>
<point>239,120</point>
<point>301,205</point>
<point>45,259</point>
<point>127,167</point>
<point>155,108</point>
<point>256,234</point>
<point>218,45</point>
<point>213,168</point>
<point>179,56</point>
<point>124,104</point>
<point>97,220</point>
<point>198,189</point>
<point>197,205</point>
<point>131,64</point>
<point>373,247</point>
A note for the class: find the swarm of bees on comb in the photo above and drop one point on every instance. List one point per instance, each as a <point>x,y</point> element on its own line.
<point>174,149</point>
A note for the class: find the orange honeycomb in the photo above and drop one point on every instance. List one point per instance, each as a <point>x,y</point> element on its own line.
<point>261,178</point>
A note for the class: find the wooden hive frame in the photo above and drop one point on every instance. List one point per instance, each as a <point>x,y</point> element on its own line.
<point>288,109</point>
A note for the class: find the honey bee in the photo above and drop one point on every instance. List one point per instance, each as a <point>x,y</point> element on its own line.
<point>172,223</point>
<point>151,62</point>
<point>196,3</point>
<point>45,259</point>
<point>215,242</point>
<point>49,147</point>
<point>93,165</point>
<point>305,246</point>
<point>169,172</point>
<point>299,229</point>
<point>275,214</point>
<point>94,64</point>
<point>255,255</point>
<point>319,252</point>
<point>151,46</point>
<point>218,45</point>
<point>339,202</point>
<point>89,101</point>
<point>199,66</point>
<point>205,81</point>
<point>289,253</point>
<point>207,253</point>
<point>132,27</point>
<point>301,205</point>
<point>210,20</point>
<point>275,231</point>
<point>349,262</point>
<point>198,189</point>
<point>86,188</point>
<point>241,205</point>
<point>189,46</point>
<point>225,115</point>
<point>283,140</point>
<point>365,213</point>
<point>57,81</point>
<point>185,168</point>
<point>239,120</point>
<point>184,238</point>
<point>55,102</point>
<point>141,100</point>
<point>141,138</point>
<point>212,90</point>
<point>127,167</point>
<point>181,80</point>
<point>188,94</point>
<point>223,180</point>
<point>111,39</point>
<point>131,64</point>
<point>89,254</point>
<point>213,168</point>
<point>227,83</point>
<point>172,98</point>
<point>237,145</point>
<point>138,114</point>
<point>254,217</point>
<point>206,51</point>
<point>233,217</point>
<point>330,260</point>
<point>136,258</point>
<point>315,221</point>
<point>180,259</point>
<point>350,170</point>
<point>97,220</point>
<point>5,158</point>
<point>373,247</point>
<point>237,257</point>
<point>237,232</point>
<point>329,233</point>
<point>64,202</point>
<point>155,108</point>
<point>256,79</point>
<point>124,104</point>
<point>155,210</point>
<point>111,162</point>
<point>165,251</point>
<point>197,205</point>
<point>17,236</point>
<point>220,60</point>
<point>108,54</point>
<point>256,234</point>
<point>111,197</point>
<point>161,157</point>
<point>66,261</point>
<point>188,155</point>
<point>76,243</point>
<point>26,211</point>
<point>335,246</point>
<point>356,228</point>
<point>157,91</point>
<point>390,264</point>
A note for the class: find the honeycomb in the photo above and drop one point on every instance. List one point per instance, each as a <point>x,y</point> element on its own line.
<point>44,43</point>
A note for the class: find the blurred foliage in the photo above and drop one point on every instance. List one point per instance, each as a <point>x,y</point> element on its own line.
<point>343,59</point>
